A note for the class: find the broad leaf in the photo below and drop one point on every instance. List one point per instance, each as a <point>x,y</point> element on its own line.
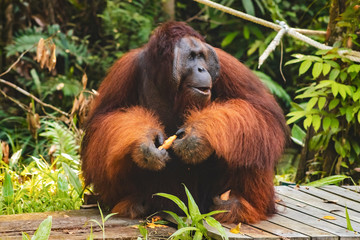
<point>327,181</point>
<point>43,232</point>
<point>305,65</point>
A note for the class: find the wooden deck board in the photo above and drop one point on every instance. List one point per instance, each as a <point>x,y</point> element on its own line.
<point>300,217</point>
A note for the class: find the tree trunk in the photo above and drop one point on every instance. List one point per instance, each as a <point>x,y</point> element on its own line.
<point>169,8</point>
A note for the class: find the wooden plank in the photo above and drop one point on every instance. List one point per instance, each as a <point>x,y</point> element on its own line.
<point>252,232</point>
<point>318,223</point>
<point>73,225</point>
<point>342,201</point>
<point>284,233</point>
<point>214,234</point>
<point>316,202</point>
<point>314,233</point>
<point>353,188</point>
<point>287,202</point>
<point>346,193</point>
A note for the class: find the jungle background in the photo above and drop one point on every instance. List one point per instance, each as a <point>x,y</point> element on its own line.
<point>42,110</point>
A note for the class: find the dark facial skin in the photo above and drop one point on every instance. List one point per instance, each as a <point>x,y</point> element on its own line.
<point>195,69</point>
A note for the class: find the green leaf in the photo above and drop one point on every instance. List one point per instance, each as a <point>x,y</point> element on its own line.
<point>178,219</point>
<point>317,69</point>
<point>295,118</point>
<point>183,230</point>
<point>348,222</point>
<point>327,181</point>
<point>321,102</point>
<point>62,185</point>
<point>335,89</point>
<point>324,83</point>
<point>343,76</point>
<point>25,236</point>
<point>298,135</point>
<point>333,103</point>
<point>316,122</point>
<point>340,149</point>
<point>330,56</point>
<point>7,189</point>
<point>326,123</point>
<point>198,235</point>
<point>334,124</point>
<point>356,95</point>
<point>305,65</point>
<point>73,178</point>
<point>349,113</point>
<point>353,68</point>
<point>246,32</point>
<point>143,231</point>
<point>334,73</point>
<point>312,102</point>
<point>193,208</point>
<point>176,200</point>
<point>356,147</point>
<point>307,121</point>
<point>342,90</point>
<point>332,64</point>
<point>249,7</point>
<point>228,39</point>
<point>326,69</point>
<point>15,158</point>
<point>215,224</point>
<point>43,232</point>
<point>292,61</point>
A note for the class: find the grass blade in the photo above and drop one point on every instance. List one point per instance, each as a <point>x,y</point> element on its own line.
<point>178,219</point>
<point>348,222</point>
<point>193,208</point>
<point>176,200</point>
<point>183,230</point>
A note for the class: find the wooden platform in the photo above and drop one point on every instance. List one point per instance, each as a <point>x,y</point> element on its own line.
<point>300,216</point>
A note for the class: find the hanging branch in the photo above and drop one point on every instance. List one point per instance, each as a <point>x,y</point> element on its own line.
<point>33,97</point>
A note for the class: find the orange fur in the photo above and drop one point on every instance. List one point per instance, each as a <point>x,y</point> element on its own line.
<point>234,140</point>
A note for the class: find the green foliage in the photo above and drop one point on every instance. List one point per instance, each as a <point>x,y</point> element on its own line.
<point>38,186</point>
<point>129,23</point>
<point>192,226</point>
<point>274,87</point>
<point>64,140</point>
<point>331,106</point>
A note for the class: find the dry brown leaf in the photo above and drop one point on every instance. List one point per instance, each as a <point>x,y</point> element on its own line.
<point>75,106</point>
<point>236,229</point>
<point>84,80</point>
<point>5,152</point>
<point>167,143</point>
<point>52,60</point>
<point>44,58</point>
<point>225,196</point>
<point>329,217</point>
<point>40,49</point>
